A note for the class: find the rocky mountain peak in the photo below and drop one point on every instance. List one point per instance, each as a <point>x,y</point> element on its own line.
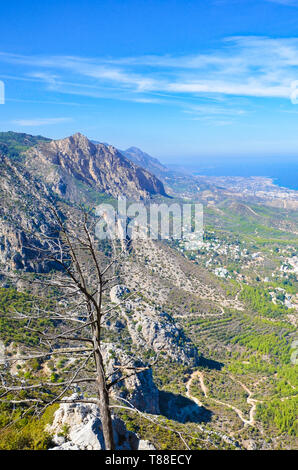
<point>75,159</point>
<point>79,140</point>
<point>70,146</point>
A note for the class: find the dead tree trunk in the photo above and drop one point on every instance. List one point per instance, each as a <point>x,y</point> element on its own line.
<point>103,398</point>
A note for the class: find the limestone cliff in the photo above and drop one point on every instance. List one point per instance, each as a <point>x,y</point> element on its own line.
<point>78,427</point>
<point>25,217</point>
<point>150,328</point>
<point>137,390</point>
<point>68,162</point>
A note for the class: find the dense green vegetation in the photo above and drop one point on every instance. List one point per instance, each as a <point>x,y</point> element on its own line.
<point>11,303</point>
<point>23,431</point>
<point>260,301</point>
<point>272,344</point>
<point>282,413</point>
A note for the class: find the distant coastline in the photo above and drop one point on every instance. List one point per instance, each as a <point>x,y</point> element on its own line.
<point>283,175</point>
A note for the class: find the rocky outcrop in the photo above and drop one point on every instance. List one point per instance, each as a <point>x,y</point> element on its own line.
<point>118,292</point>
<point>137,389</point>
<point>77,426</point>
<point>69,163</point>
<point>150,328</point>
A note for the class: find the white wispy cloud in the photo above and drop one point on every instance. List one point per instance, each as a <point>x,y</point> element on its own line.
<point>40,121</point>
<point>214,110</point>
<point>242,66</point>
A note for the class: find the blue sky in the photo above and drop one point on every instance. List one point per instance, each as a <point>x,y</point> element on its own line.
<point>181,79</point>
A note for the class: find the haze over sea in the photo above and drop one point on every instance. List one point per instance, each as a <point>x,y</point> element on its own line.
<point>284,173</point>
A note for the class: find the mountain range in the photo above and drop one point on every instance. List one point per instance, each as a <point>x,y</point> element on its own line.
<point>36,171</point>
<point>223,317</point>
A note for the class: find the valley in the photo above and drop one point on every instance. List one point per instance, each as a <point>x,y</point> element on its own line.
<point>220,321</point>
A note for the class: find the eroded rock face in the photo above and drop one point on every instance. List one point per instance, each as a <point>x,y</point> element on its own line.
<point>25,218</point>
<point>81,427</point>
<point>137,390</point>
<point>159,332</point>
<point>77,426</point>
<point>73,170</point>
<point>99,166</point>
<point>153,329</point>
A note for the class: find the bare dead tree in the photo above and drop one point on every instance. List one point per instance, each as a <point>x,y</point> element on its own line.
<point>82,278</point>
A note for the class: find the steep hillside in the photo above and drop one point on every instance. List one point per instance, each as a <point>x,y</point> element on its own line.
<point>25,217</point>
<point>141,158</point>
<point>68,163</point>
<point>37,172</point>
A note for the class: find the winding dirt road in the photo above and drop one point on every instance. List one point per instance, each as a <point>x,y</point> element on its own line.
<point>250,401</point>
